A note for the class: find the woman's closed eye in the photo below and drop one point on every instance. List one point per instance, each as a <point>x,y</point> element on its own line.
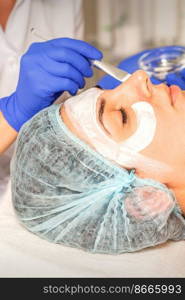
<point>124,115</point>
<point>101,112</point>
<point>115,121</point>
<point>100,115</point>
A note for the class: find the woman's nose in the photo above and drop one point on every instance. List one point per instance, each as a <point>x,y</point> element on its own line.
<point>137,87</point>
<point>141,82</point>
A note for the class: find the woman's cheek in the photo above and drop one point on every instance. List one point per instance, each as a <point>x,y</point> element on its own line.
<point>118,129</point>
<point>113,123</point>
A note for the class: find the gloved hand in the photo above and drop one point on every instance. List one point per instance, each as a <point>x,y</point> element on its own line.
<point>48,69</point>
<point>130,65</point>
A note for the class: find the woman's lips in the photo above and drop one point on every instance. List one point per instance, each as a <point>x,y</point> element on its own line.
<point>174,93</point>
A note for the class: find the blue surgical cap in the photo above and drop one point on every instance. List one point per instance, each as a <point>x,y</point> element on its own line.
<point>67,193</point>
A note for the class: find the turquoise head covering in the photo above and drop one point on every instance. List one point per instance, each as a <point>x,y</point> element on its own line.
<point>65,192</point>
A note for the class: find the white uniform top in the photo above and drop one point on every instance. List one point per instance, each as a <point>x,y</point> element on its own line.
<point>52,18</point>
<point>55,18</point>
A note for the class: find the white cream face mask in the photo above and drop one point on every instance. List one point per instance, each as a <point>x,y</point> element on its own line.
<point>81,110</point>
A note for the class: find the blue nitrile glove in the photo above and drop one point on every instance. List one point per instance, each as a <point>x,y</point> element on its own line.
<point>48,69</point>
<point>130,65</point>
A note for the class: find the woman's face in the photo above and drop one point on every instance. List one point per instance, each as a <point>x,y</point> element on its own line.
<point>118,120</point>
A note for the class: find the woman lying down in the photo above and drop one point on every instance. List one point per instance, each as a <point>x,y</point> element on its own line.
<point>105,171</point>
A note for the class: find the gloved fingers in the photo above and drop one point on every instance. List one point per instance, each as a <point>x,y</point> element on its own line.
<point>69,56</point>
<point>39,52</point>
<point>49,85</point>
<point>79,46</point>
<point>56,84</point>
<point>63,70</point>
<point>175,79</point>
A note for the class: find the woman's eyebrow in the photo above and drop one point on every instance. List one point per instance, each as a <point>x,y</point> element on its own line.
<point>100,115</point>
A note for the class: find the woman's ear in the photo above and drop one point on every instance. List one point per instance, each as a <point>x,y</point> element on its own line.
<point>149,203</point>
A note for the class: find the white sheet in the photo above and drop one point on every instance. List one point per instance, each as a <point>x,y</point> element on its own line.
<point>23,254</point>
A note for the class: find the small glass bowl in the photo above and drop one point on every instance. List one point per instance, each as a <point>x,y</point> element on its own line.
<point>162,61</point>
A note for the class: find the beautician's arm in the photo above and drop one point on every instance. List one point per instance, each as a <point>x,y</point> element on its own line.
<point>7,134</point>
<point>47,69</point>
